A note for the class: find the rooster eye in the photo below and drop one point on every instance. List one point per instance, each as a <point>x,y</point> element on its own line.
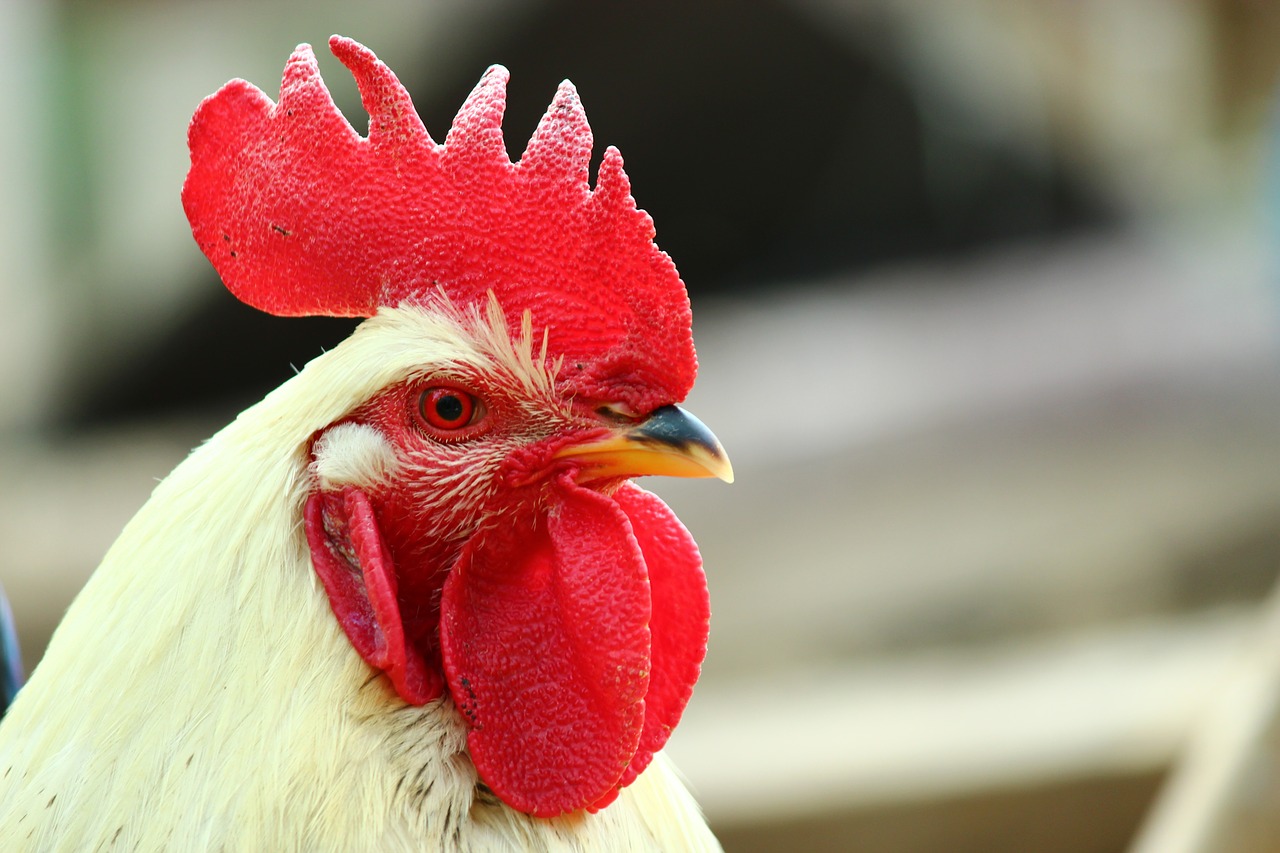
<point>447,408</point>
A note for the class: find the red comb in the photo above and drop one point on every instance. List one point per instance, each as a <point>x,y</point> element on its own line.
<point>300,215</point>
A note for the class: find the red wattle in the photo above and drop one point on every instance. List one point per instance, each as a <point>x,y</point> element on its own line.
<point>680,622</point>
<point>545,642</point>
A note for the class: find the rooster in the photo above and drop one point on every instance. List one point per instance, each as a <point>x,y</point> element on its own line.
<point>412,599</point>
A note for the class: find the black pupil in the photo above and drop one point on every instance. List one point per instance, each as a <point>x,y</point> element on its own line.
<point>449,408</point>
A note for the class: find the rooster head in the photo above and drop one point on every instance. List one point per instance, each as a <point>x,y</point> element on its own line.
<point>472,520</point>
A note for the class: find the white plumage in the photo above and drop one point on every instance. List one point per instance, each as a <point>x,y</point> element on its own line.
<point>200,694</point>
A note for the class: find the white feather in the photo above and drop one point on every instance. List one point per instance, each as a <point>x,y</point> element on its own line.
<point>353,454</point>
<point>199,693</point>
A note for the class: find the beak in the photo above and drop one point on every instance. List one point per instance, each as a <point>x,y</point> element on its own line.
<point>669,442</point>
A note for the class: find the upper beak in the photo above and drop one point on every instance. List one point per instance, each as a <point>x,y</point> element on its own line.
<point>669,442</point>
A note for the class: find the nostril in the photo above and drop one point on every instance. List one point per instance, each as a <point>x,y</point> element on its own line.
<point>618,413</point>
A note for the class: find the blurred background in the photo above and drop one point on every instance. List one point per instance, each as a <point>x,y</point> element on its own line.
<point>988,317</point>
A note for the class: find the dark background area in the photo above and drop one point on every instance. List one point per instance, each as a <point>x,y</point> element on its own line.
<point>768,151</point>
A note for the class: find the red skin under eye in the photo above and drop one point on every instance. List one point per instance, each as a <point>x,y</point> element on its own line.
<point>447,408</point>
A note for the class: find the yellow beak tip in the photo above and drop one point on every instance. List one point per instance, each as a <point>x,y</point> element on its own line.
<point>670,442</point>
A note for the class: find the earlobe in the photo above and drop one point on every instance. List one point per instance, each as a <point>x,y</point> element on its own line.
<point>352,454</point>
<point>353,563</point>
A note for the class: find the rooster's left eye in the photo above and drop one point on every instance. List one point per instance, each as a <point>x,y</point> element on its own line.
<point>446,408</point>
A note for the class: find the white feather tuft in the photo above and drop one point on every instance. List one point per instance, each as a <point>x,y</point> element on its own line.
<point>353,454</point>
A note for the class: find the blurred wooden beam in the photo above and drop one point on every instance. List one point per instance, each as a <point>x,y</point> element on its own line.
<point>1225,797</point>
<point>948,725</point>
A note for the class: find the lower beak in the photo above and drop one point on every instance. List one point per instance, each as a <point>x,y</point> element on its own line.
<point>670,442</point>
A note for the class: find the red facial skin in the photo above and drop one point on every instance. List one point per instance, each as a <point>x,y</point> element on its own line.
<point>505,463</point>
<point>574,616</point>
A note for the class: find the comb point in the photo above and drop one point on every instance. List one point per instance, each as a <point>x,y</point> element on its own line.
<point>390,108</point>
<point>612,196</point>
<point>303,216</point>
<point>300,69</point>
<point>477,128</point>
<point>560,148</point>
<point>303,92</point>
